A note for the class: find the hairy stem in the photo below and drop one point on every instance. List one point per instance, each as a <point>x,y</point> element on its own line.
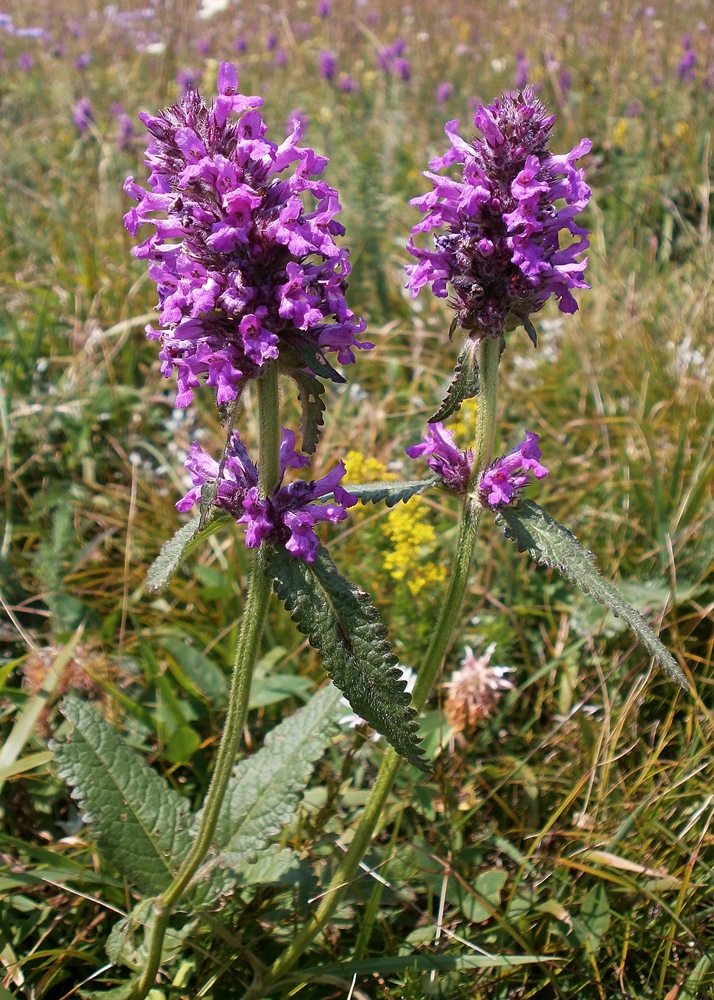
<point>489,356</point>
<point>246,654</point>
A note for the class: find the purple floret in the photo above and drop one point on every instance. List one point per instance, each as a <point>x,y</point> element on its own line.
<point>444,458</point>
<point>327,64</point>
<point>245,273</point>
<point>83,115</point>
<point>503,481</point>
<point>289,515</point>
<point>503,218</point>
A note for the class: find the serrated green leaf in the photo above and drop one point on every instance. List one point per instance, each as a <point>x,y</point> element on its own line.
<point>465,383</point>
<point>141,825</point>
<point>312,406</point>
<point>264,792</point>
<point>174,551</point>
<point>309,354</point>
<point>551,544</point>
<point>391,493</point>
<point>344,626</point>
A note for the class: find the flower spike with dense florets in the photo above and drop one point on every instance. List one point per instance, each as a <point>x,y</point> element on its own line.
<point>286,517</point>
<point>451,464</point>
<point>501,253</point>
<point>245,273</point>
<point>504,479</point>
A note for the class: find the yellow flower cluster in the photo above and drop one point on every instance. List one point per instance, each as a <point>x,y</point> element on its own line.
<point>365,470</point>
<point>412,537</point>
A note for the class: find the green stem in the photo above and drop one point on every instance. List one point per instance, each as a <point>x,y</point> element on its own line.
<point>489,356</point>
<point>246,654</point>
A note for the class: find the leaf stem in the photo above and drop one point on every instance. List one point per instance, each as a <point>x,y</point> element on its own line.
<point>489,356</point>
<point>246,654</point>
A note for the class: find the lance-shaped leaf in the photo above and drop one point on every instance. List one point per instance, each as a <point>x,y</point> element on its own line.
<point>140,824</point>
<point>550,543</point>
<point>391,493</point>
<point>465,383</point>
<point>263,794</point>
<point>312,405</point>
<point>177,548</point>
<point>344,626</point>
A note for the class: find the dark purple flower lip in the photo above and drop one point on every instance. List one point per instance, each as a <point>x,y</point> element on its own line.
<point>242,267</point>
<point>289,515</point>
<point>503,217</point>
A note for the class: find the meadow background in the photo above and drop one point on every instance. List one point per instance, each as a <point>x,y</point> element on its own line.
<point>574,823</point>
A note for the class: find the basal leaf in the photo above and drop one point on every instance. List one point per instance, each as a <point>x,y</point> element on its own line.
<point>344,626</point>
<point>177,548</point>
<point>140,824</point>
<point>391,493</point>
<point>465,383</point>
<point>551,544</point>
<point>311,391</point>
<point>264,792</point>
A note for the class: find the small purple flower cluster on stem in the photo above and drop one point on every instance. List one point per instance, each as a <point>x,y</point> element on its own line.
<point>503,480</point>
<point>284,517</point>
<point>244,273</point>
<point>501,253</point>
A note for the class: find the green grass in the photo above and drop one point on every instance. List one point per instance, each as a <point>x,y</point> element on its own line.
<point>575,824</point>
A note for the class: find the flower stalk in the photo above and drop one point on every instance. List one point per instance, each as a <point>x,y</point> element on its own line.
<point>246,655</point>
<point>489,356</point>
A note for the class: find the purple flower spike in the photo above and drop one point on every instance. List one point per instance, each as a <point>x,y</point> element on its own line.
<point>289,515</point>
<point>501,251</point>
<point>503,481</point>
<point>444,91</point>
<point>444,458</point>
<point>243,268</point>
<point>83,115</point>
<point>327,65</point>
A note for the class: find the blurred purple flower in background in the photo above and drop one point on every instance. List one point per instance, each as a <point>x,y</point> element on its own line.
<point>520,80</point>
<point>685,70</point>
<point>501,251</point>
<point>245,272</point>
<point>271,42</point>
<point>83,115</point>
<point>289,515</point>
<point>444,91</point>
<point>187,79</point>
<point>323,8</point>
<point>240,44</point>
<point>503,481</point>
<point>281,58</point>
<point>81,62</point>
<point>327,64</point>
<point>25,62</point>
<point>347,84</point>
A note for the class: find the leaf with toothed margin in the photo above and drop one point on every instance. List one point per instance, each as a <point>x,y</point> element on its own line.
<point>465,383</point>
<point>311,356</point>
<point>175,550</point>
<point>551,544</point>
<point>344,626</point>
<point>140,823</point>
<point>391,493</point>
<point>312,406</point>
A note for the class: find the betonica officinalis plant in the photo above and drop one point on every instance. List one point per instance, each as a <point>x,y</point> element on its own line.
<point>251,271</point>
